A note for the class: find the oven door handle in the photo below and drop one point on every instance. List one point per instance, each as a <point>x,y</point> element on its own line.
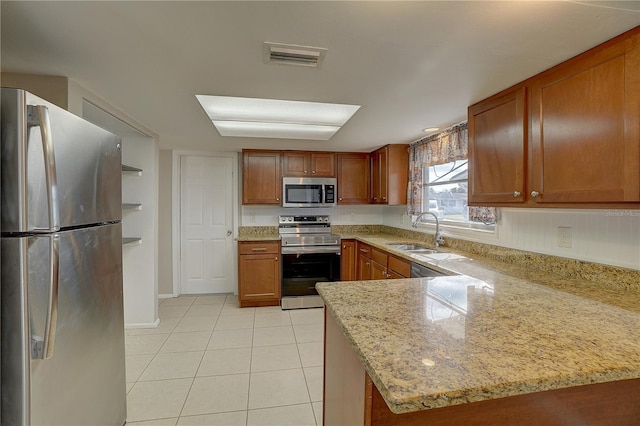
<point>311,250</point>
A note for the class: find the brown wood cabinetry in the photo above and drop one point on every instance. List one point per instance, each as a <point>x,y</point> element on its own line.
<point>261,177</point>
<point>353,178</point>
<point>497,136</point>
<point>585,127</point>
<point>308,164</point>
<point>348,260</point>
<point>258,273</point>
<point>398,268</point>
<point>567,137</point>
<point>363,268</point>
<point>376,264</point>
<point>389,174</point>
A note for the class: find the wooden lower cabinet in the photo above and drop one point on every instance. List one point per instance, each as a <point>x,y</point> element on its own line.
<point>351,398</point>
<point>375,264</point>
<point>258,274</point>
<point>348,260</point>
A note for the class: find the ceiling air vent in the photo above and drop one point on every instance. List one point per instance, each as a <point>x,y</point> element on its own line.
<point>292,54</point>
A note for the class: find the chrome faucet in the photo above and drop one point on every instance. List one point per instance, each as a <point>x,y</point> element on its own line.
<point>438,238</point>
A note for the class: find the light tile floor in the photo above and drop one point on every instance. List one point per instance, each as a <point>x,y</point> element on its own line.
<point>211,363</point>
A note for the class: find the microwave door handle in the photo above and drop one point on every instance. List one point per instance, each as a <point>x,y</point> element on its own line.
<point>38,115</point>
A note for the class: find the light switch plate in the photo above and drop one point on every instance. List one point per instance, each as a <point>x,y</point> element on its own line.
<point>564,236</point>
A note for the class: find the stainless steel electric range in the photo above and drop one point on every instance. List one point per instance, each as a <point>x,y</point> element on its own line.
<point>310,254</point>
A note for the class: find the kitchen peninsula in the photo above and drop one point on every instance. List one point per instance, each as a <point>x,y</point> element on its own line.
<point>490,344</point>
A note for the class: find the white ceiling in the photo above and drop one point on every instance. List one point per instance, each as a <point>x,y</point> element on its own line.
<point>410,65</point>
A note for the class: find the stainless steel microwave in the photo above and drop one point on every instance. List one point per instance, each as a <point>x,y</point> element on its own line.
<point>308,192</point>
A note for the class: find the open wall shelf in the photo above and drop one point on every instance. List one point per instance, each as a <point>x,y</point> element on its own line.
<point>130,241</point>
<point>129,170</point>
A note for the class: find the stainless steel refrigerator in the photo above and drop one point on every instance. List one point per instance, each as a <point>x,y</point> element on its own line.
<point>61,311</point>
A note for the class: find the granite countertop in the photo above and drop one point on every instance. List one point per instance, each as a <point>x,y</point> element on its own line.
<point>490,330</point>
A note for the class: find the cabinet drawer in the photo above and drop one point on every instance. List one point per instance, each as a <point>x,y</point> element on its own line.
<point>364,250</point>
<point>254,247</point>
<point>379,256</point>
<point>399,266</point>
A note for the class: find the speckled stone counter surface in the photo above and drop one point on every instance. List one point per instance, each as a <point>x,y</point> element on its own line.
<point>258,233</point>
<point>494,329</point>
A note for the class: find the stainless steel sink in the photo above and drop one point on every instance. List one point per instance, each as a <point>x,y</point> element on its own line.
<point>413,248</point>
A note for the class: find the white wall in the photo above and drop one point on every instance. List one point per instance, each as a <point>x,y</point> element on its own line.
<point>165,220</point>
<point>609,237</point>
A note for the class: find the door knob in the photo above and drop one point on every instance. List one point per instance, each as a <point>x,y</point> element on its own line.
<point>229,233</point>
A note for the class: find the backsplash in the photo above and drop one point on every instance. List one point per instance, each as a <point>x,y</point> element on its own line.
<point>609,237</point>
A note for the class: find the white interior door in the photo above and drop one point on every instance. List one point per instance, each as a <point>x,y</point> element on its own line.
<point>206,216</point>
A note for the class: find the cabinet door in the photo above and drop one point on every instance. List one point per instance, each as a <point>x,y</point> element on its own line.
<point>261,179</point>
<point>497,146</point>
<point>259,277</point>
<point>323,164</point>
<point>379,182</point>
<point>364,268</point>
<point>378,271</point>
<point>399,268</point>
<point>348,261</point>
<point>585,128</point>
<point>295,164</point>
<point>353,178</point>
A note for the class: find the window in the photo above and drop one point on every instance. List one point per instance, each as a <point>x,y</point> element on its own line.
<point>445,195</point>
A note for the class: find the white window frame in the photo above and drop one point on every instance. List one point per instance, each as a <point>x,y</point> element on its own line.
<point>454,227</point>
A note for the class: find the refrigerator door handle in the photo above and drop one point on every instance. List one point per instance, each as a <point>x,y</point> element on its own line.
<point>42,347</point>
<point>41,119</point>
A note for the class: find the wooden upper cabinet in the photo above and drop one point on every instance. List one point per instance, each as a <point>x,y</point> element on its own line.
<point>353,178</point>
<point>567,137</point>
<point>308,164</point>
<point>585,127</point>
<point>261,178</point>
<point>389,175</point>
<point>497,148</point>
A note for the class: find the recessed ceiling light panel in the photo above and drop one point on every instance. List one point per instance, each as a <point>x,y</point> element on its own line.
<point>256,114</point>
<point>275,130</point>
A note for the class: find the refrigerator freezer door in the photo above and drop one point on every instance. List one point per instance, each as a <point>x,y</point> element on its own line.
<point>83,382</point>
<point>87,167</point>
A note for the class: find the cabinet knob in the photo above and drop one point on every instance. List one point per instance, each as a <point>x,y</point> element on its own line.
<point>384,198</point>
<point>534,194</point>
<point>277,199</point>
<point>276,258</point>
<point>516,194</point>
<point>305,172</point>
<point>339,198</point>
<point>313,172</point>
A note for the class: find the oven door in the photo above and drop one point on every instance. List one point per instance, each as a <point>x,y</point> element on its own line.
<point>303,267</point>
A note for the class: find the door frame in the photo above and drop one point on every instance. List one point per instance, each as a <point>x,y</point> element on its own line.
<point>176,231</point>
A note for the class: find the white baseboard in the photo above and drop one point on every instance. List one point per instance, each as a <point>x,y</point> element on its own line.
<point>143,325</point>
<point>165,296</point>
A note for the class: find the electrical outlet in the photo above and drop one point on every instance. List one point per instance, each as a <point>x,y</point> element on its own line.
<point>564,236</point>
